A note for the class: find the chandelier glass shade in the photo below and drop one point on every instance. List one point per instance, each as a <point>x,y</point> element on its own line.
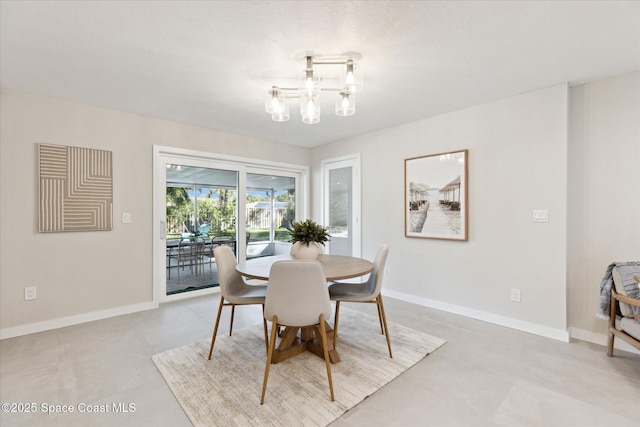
<point>351,80</point>
<point>310,88</point>
<point>310,108</point>
<point>276,104</point>
<point>345,104</point>
<point>309,83</point>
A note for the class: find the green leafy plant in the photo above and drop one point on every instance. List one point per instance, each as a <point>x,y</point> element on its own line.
<point>308,231</point>
<point>194,235</point>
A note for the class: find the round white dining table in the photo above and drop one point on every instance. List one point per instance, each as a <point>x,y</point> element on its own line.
<point>336,267</point>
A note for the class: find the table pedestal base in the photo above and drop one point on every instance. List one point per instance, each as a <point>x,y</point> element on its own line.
<point>309,340</point>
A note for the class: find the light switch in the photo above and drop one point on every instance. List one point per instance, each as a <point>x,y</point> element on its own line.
<point>126,217</point>
<point>540,215</point>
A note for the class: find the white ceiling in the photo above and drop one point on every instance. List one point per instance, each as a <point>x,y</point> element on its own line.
<point>211,63</point>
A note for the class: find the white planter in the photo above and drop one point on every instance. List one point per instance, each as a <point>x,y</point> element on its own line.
<point>302,251</point>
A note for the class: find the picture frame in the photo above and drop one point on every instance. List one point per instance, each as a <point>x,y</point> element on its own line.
<point>436,196</point>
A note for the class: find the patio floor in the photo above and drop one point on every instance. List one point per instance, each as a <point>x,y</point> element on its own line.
<point>207,277</point>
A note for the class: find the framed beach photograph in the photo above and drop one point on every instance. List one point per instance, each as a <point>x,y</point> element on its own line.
<point>435,196</point>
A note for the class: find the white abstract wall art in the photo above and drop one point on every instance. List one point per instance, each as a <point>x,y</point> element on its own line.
<point>75,188</point>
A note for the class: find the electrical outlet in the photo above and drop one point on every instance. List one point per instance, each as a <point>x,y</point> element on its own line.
<point>515,295</point>
<point>30,293</point>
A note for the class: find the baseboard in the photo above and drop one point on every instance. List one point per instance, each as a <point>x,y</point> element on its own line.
<point>601,339</point>
<point>73,320</point>
<point>533,328</point>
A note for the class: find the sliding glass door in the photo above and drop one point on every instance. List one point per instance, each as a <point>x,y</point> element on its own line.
<point>201,213</point>
<point>246,205</point>
<point>271,208</point>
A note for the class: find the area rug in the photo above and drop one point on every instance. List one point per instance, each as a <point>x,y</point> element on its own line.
<point>226,389</point>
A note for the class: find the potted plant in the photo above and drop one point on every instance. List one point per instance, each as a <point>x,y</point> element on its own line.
<point>193,236</point>
<point>307,236</point>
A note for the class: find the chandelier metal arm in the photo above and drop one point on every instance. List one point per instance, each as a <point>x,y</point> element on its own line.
<point>295,89</point>
<point>330,62</point>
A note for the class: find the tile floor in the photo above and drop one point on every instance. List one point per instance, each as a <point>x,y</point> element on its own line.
<point>485,375</point>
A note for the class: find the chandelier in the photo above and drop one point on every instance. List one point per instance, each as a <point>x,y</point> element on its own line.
<point>309,89</point>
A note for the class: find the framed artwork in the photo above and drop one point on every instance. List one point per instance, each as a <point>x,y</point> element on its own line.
<point>75,188</point>
<point>435,196</point>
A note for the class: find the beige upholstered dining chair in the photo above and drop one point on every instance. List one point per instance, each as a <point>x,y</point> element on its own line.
<point>234,289</point>
<point>297,296</point>
<point>368,292</point>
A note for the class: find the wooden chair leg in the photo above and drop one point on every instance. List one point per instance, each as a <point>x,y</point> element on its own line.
<point>335,324</point>
<point>266,334</point>
<point>215,328</point>
<point>384,320</point>
<point>323,337</point>
<point>610,344</point>
<point>612,323</point>
<point>233,312</point>
<point>272,343</point>
<point>380,319</point>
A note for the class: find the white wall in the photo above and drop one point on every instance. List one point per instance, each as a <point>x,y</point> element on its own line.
<point>81,273</point>
<point>517,163</point>
<point>520,159</point>
<point>604,192</point>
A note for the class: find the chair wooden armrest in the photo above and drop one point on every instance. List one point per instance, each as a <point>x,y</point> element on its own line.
<point>628,300</point>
